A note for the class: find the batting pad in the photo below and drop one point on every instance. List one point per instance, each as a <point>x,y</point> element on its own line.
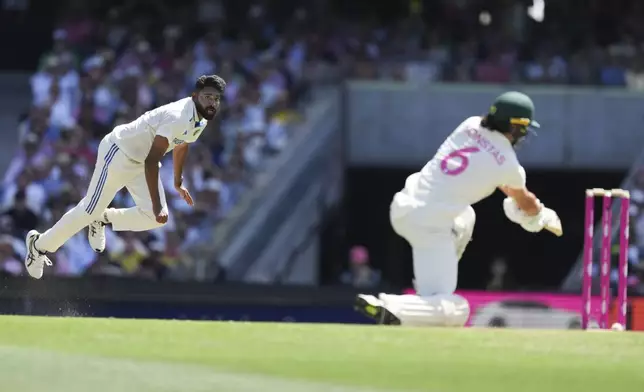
<point>442,310</point>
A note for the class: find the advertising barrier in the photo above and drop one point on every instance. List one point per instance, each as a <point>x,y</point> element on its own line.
<point>199,312</point>
<point>636,316</point>
<point>141,298</point>
<point>132,298</point>
<point>519,310</point>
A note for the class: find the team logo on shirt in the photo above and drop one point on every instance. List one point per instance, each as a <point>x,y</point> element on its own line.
<point>177,141</point>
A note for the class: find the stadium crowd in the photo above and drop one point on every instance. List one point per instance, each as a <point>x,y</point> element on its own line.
<point>636,226</point>
<point>507,42</point>
<point>105,71</point>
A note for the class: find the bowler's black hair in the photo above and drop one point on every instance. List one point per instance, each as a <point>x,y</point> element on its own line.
<point>211,81</point>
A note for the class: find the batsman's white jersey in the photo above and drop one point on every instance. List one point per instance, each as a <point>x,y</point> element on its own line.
<point>120,163</point>
<point>433,211</point>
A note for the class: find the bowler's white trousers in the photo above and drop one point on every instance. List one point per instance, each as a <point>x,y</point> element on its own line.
<point>435,250</point>
<point>114,170</point>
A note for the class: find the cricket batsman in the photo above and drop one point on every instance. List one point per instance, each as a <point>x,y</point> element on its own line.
<point>434,213</point>
<point>130,157</point>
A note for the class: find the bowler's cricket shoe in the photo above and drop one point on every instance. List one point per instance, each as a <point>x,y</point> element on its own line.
<point>35,260</point>
<point>96,236</point>
<point>373,308</point>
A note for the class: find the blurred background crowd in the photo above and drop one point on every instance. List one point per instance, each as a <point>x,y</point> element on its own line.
<point>636,227</point>
<point>108,65</point>
<point>103,72</point>
<point>502,42</point>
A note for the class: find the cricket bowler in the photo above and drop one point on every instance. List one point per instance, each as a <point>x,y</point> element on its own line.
<point>434,213</point>
<point>130,156</point>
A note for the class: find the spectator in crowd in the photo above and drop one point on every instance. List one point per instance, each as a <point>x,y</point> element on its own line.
<point>10,261</point>
<point>360,273</point>
<point>499,277</point>
<point>21,217</point>
<point>635,74</point>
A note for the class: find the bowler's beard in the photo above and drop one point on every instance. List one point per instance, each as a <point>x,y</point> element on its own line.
<point>203,112</point>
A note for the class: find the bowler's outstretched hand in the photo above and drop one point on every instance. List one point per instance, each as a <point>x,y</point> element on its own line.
<point>185,195</point>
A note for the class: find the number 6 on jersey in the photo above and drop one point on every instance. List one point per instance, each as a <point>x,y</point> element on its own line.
<point>457,161</point>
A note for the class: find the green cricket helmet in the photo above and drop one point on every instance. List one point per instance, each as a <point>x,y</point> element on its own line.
<point>513,112</point>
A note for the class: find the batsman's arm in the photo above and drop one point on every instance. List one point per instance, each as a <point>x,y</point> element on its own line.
<point>159,147</point>
<point>526,200</point>
<point>179,155</point>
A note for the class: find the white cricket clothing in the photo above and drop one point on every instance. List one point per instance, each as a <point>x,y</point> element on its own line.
<point>120,163</point>
<point>463,229</point>
<point>433,212</point>
<point>468,167</point>
<point>177,121</point>
<point>435,253</point>
<point>447,310</point>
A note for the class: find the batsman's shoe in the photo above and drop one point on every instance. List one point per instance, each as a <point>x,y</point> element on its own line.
<point>35,260</point>
<point>373,308</point>
<point>96,236</point>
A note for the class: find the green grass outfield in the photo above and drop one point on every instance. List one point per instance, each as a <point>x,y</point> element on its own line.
<point>98,355</point>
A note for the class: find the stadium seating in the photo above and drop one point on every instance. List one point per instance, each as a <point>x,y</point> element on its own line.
<point>82,90</point>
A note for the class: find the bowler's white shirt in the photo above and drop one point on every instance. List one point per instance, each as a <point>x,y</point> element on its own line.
<point>468,167</point>
<point>177,121</point>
